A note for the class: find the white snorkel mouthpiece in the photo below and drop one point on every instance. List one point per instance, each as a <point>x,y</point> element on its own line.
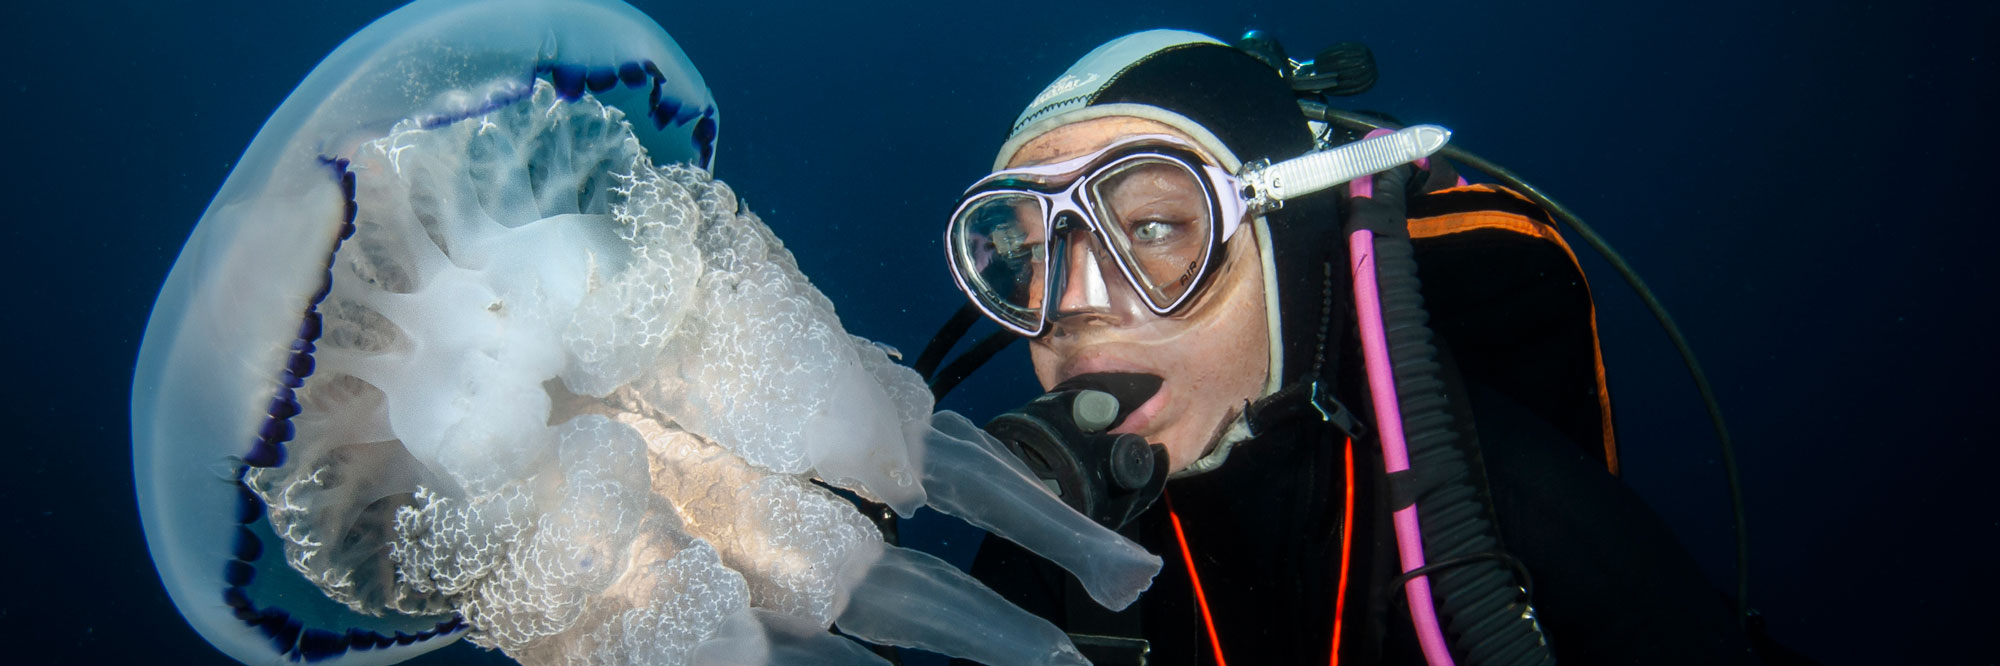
<point>1269,185</point>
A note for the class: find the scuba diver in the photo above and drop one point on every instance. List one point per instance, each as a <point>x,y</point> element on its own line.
<point>1355,403</point>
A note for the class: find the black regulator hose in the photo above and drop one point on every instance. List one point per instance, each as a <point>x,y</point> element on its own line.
<point>948,335</point>
<point>1321,112</point>
<point>1482,606</point>
<point>948,378</point>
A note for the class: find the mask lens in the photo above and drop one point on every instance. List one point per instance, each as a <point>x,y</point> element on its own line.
<point>998,249</point>
<point>1158,214</point>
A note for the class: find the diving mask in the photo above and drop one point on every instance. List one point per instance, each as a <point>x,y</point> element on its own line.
<point>1152,203</point>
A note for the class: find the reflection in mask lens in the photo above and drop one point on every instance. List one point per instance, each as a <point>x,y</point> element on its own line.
<point>1000,251</point>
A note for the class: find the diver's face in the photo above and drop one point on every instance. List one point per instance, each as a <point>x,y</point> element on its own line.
<point>1213,356</point>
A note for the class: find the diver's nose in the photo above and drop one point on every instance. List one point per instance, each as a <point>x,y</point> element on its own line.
<point>1084,291</point>
<point>1083,287</point>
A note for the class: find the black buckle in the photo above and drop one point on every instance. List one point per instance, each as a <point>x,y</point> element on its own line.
<point>1293,400</point>
<point>1331,411</point>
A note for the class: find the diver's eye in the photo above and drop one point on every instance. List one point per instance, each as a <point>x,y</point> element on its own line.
<point>1152,231</point>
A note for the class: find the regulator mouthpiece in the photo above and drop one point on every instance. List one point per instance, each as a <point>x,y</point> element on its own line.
<point>1063,437</point>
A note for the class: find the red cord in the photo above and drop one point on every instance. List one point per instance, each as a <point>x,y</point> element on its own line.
<point>1346,551</point>
<point>1200,597</point>
<point>1346,547</point>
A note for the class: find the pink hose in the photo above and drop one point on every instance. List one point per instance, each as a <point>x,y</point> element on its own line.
<point>1395,453</point>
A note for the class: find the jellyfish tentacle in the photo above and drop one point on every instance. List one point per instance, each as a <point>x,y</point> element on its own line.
<point>974,478</point>
<point>760,637</point>
<point>908,598</point>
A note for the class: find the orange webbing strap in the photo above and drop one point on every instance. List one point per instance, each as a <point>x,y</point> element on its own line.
<point>1200,597</point>
<point>1443,225</point>
<point>1346,550</point>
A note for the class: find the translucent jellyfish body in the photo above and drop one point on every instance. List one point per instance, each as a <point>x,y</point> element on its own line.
<point>486,353</point>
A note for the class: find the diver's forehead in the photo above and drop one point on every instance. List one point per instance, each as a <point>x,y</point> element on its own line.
<point>1082,138</point>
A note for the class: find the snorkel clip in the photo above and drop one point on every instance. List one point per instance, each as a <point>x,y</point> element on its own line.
<point>1262,191</point>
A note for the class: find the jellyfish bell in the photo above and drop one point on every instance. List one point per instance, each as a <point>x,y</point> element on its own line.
<point>238,308</point>
<point>470,344</point>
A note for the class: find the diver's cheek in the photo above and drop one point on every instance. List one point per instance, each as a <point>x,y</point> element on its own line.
<point>1175,434</point>
<point>1184,423</point>
<point>1047,361</point>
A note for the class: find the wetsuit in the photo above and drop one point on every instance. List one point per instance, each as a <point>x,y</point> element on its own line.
<point>1611,584</point>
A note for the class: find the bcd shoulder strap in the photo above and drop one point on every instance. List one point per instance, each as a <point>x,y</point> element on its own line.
<point>1500,281</point>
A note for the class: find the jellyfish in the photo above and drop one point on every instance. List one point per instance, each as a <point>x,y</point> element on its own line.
<point>471,344</point>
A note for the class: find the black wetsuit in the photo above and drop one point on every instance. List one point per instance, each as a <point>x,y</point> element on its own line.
<point>1612,586</point>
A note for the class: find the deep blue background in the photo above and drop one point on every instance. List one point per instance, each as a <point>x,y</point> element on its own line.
<point>1803,183</point>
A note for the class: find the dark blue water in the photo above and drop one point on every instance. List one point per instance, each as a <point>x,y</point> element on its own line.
<point>1804,184</point>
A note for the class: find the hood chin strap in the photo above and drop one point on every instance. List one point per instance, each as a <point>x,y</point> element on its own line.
<point>1234,431</point>
<point>1307,398</point>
